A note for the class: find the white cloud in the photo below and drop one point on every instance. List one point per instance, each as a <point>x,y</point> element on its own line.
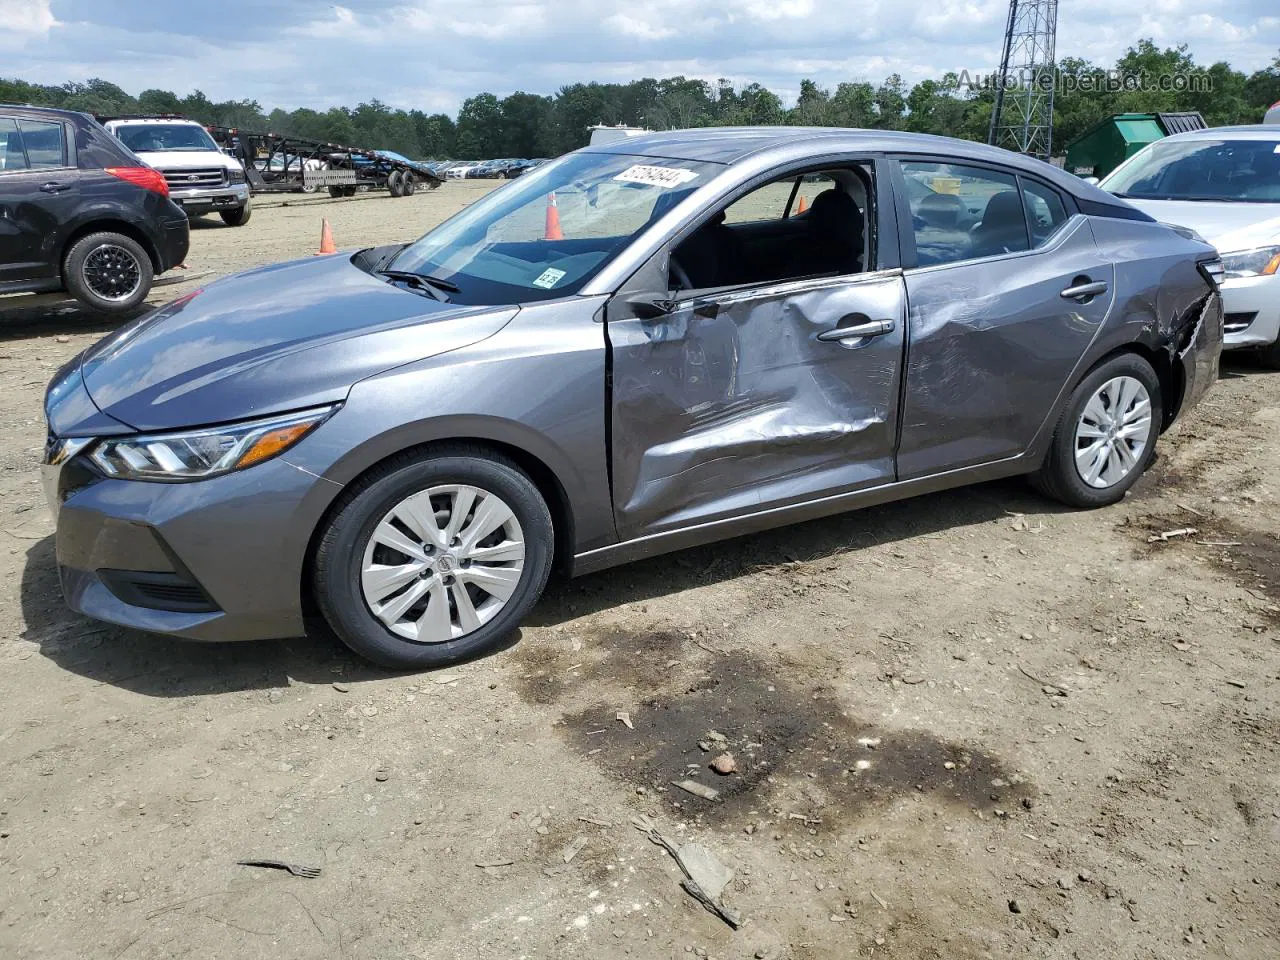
<point>432,54</point>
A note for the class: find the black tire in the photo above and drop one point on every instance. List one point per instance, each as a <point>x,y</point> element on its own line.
<point>1058,477</point>
<point>336,192</point>
<point>339,555</point>
<point>237,217</point>
<point>409,184</point>
<point>395,183</point>
<point>1270,356</point>
<point>350,190</point>
<point>133,261</point>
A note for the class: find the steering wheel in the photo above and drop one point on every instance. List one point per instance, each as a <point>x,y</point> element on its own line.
<point>680,275</point>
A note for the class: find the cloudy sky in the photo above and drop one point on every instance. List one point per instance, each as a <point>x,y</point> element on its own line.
<point>433,53</point>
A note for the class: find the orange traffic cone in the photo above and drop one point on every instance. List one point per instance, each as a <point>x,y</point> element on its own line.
<point>552,230</point>
<point>326,239</point>
<point>803,205</point>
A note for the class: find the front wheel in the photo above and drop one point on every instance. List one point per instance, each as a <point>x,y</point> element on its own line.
<point>108,272</point>
<point>237,217</point>
<point>1106,436</point>
<point>1270,356</point>
<point>434,558</point>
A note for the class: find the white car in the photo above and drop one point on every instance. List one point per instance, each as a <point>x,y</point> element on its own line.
<point>201,178</point>
<point>1224,183</point>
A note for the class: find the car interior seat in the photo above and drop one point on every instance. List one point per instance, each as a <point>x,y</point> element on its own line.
<point>1003,228</point>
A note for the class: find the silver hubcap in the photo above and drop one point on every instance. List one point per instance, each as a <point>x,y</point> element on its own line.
<point>1111,436</point>
<point>112,272</point>
<point>442,563</point>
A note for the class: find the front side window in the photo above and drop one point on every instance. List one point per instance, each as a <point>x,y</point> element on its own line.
<point>45,143</point>
<point>1241,171</point>
<point>779,199</point>
<point>792,228</point>
<point>963,213</point>
<point>11,155</point>
<point>547,233</point>
<point>161,137</point>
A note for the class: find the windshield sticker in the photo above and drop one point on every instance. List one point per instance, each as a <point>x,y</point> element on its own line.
<point>664,177</point>
<point>550,277</point>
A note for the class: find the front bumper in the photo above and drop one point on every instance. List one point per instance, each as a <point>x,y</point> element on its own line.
<point>136,554</point>
<point>1252,305</point>
<point>200,200</point>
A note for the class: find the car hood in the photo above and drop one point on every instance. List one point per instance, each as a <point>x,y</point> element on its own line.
<point>1228,226</point>
<point>279,338</point>
<point>186,159</point>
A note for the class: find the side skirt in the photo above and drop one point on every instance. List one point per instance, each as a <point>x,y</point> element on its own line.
<point>699,534</point>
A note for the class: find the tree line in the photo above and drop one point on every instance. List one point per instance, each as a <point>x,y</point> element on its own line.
<point>533,125</point>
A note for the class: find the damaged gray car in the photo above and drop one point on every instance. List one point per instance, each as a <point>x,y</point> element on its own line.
<point>636,348</point>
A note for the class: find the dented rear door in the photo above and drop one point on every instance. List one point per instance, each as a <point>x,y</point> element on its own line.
<point>743,401</point>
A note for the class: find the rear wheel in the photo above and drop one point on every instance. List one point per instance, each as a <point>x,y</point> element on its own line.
<point>409,183</point>
<point>435,558</point>
<point>108,272</point>
<point>1106,436</point>
<point>237,217</point>
<point>336,192</point>
<point>350,190</point>
<point>395,183</point>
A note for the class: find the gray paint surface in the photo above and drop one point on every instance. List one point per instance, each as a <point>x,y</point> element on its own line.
<point>726,416</point>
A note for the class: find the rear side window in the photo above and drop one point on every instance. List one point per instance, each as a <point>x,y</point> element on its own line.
<point>45,142</point>
<point>963,213</point>
<point>11,155</point>
<point>1045,211</point>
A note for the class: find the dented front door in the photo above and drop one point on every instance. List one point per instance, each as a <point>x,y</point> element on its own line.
<point>738,402</point>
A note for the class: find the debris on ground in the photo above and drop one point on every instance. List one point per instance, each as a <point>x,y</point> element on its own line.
<point>573,849</point>
<point>705,875</point>
<point>1171,534</point>
<point>625,719</point>
<point>724,764</point>
<point>297,869</point>
<point>697,789</point>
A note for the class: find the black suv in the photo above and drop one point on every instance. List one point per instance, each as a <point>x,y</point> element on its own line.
<point>79,212</point>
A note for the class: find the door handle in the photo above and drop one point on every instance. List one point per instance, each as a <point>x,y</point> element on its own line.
<point>858,331</point>
<point>1084,292</point>
<point>53,186</point>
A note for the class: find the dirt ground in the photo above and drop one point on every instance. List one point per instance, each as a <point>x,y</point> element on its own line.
<point>969,725</point>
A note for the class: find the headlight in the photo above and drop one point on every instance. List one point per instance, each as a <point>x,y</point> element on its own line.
<point>209,452</point>
<point>235,176</point>
<point>1259,262</point>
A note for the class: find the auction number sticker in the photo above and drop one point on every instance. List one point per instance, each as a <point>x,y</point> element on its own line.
<point>665,177</point>
<point>550,277</point>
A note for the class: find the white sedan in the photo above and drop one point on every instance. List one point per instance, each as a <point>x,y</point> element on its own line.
<point>1224,183</point>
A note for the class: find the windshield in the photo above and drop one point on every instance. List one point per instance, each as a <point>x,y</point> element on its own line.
<point>1241,171</point>
<point>160,137</point>
<point>547,233</point>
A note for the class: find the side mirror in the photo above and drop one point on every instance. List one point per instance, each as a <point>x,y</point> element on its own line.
<point>650,306</point>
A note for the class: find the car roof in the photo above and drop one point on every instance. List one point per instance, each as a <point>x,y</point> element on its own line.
<point>729,145</point>
<point>1253,131</point>
<point>136,121</point>
<point>26,108</point>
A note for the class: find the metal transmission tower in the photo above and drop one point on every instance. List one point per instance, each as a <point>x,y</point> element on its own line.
<point>1023,116</point>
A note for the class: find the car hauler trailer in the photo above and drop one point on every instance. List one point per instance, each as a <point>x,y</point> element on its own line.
<point>282,163</point>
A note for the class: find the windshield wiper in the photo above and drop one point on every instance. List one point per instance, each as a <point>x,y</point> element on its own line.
<point>434,286</point>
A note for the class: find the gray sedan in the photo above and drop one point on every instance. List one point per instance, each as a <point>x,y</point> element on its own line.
<point>633,349</point>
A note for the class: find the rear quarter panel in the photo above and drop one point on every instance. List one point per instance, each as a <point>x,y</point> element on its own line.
<point>1162,302</point>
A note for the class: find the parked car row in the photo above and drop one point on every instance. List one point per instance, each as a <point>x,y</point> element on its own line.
<point>484,169</point>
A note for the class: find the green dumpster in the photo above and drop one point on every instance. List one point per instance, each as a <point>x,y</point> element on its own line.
<point>1110,142</point>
